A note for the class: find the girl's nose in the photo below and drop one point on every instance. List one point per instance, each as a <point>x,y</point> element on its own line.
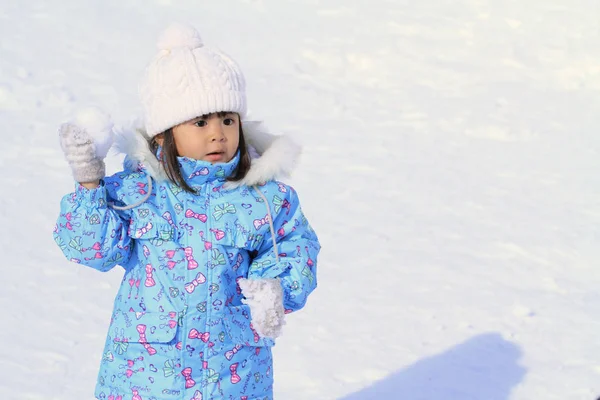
<point>217,134</point>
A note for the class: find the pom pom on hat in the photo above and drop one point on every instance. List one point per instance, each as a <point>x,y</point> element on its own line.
<point>179,36</point>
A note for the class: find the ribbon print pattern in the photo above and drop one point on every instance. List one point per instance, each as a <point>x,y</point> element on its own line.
<point>179,328</point>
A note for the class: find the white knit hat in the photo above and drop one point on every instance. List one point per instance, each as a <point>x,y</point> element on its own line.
<point>187,79</point>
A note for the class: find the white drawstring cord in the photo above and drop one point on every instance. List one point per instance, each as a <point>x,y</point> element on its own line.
<point>139,202</point>
<point>270,222</point>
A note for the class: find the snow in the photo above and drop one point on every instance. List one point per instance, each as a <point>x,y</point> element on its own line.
<point>450,168</point>
<point>100,126</point>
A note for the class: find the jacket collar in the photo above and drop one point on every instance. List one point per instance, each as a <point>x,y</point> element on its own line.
<point>276,155</point>
<point>198,172</point>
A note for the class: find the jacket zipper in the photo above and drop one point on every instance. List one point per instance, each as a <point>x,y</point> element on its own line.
<point>209,279</point>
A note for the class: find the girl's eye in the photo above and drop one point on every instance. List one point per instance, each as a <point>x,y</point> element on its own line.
<point>229,121</point>
<point>200,123</point>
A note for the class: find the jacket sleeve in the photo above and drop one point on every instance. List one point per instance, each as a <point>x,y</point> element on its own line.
<point>298,247</point>
<point>90,232</point>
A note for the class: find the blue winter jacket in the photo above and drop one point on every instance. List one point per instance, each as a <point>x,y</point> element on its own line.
<point>179,329</point>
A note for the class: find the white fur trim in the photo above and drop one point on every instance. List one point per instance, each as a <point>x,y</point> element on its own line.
<point>278,154</point>
<point>265,299</point>
<point>132,141</point>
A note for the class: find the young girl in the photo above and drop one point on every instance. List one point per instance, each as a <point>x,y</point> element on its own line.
<point>215,251</point>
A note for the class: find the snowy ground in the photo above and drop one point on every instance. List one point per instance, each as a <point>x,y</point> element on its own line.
<point>451,170</point>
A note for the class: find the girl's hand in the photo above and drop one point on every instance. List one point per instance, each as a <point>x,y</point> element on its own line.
<point>85,143</point>
<point>265,298</point>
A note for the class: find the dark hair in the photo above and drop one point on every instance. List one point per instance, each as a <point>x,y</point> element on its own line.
<point>170,163</point>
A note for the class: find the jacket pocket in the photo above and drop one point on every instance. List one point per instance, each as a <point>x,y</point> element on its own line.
<point>141,343</point>
<point>237,325</point>
<point>151,327</point>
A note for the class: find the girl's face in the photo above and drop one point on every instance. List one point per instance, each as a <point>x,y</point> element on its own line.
<point>213,138</point>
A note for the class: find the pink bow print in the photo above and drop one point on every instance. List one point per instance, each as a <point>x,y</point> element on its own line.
<point>235,378</point>
<point>191,286</point>
<point>229,355</point>
<point>187,374</point>
<point>145,229</point>
<point>111,397</point>
<point>142,331</point>
<point>149,279</point>
<point>136,395</point>
<point>190,214</point>
<point>192,264</point>
<point>194,334</point>
<point>260,222</point>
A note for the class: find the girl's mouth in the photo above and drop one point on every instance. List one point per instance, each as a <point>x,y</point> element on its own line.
<point>215,156</point>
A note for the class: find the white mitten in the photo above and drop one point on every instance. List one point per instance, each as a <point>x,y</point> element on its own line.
<point>85,143</point>
<point>265,299</point>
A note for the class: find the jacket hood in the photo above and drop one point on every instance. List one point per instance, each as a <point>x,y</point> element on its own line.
<point>272,156</point>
